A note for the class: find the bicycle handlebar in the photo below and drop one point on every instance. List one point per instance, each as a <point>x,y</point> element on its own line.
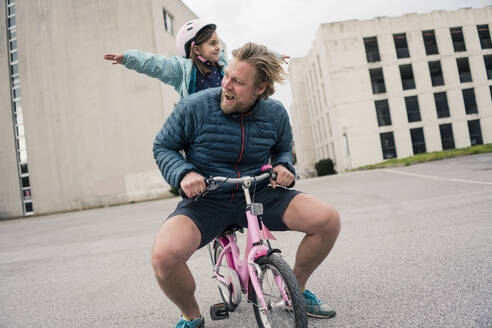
<point>211,182</point>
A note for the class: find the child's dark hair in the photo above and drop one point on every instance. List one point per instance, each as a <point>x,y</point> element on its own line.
<point>203,36</point>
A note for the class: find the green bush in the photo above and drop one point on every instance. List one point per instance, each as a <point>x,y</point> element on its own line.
<point>174,191</point>
<point>325,167</point>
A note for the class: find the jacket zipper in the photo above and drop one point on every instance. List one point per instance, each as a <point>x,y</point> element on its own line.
<point>240,156</point>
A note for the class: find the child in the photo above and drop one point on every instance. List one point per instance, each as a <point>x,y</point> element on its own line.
<point>200,65</point>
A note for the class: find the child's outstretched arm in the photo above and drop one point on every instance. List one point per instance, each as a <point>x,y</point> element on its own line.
<point>168,70</point>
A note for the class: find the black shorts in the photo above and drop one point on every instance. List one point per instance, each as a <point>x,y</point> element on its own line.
<point>212,216</point>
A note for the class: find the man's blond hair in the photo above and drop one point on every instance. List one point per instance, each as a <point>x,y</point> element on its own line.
<point>268,66</point>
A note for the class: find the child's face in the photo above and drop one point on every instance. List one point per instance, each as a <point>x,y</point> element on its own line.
<point>210,49</point>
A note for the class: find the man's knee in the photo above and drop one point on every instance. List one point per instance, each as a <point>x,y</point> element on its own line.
<point>170,250</point>
<point>165,258</point>
<point>332,220</point>
<point>327,221</point>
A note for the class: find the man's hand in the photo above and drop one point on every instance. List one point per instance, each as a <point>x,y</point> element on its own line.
<point>284,176</point>
<point>284,59</point>
<point>193,184</point>
<point>116,58</point>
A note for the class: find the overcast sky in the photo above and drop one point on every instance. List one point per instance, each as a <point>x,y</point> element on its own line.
<point>289,26</point>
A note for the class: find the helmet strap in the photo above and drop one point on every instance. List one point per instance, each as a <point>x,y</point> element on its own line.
<point>203,60</point>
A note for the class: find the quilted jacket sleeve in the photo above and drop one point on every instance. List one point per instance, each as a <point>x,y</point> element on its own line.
<point>282,150</point>
<point>176,134</point>
<point>167,69</point>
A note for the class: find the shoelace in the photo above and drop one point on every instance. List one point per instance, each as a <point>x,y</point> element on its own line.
<point>312,297</point>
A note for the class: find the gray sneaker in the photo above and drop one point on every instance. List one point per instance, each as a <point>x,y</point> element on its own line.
<point>316,308</point>
<point>197,323</point>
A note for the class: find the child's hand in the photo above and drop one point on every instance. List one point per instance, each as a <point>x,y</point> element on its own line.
<point>116,58</point>
<point>284,58</point>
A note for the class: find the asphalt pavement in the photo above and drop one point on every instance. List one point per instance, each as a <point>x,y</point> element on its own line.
<point>415,250</point>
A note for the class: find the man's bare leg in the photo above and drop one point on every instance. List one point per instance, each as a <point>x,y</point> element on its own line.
<point>174,244</point>
<point>321,223</point>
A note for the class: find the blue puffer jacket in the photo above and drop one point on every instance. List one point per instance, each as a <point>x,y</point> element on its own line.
<point>218,144</point>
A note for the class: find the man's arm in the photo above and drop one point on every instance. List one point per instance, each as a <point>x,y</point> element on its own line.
<point>281,154</point>
<point>175,135</point>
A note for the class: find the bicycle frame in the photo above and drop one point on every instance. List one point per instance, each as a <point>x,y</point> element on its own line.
<point>247,269</point>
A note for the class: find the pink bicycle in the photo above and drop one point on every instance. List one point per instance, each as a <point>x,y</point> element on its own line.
<point>263,275</point>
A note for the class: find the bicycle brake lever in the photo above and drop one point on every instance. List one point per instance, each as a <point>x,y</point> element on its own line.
<point>211,185</point>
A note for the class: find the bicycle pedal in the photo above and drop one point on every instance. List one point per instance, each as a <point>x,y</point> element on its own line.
<point>219,311</point>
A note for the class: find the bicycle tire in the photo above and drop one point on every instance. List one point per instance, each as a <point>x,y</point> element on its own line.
<point>279,315</point>
<point>216,252</point>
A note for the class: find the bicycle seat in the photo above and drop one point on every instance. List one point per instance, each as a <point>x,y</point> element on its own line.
<point>231,229</point>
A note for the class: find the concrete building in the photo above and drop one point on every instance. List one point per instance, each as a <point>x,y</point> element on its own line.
<point>75,131</point>
<point>392,87</point>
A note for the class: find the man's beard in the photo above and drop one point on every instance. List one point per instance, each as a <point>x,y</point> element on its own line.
<point>237,106</point>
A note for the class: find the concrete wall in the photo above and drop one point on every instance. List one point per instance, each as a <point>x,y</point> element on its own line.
<point>89,124</point>
<point>10,194</point>
<point>336,69</point>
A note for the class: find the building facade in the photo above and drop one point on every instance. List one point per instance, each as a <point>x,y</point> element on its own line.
<point>76,131</point>
<point>393,87</point>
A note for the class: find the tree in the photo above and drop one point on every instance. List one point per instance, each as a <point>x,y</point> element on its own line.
<point>325,167</point>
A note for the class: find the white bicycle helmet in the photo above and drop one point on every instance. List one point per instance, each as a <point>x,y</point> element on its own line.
<point>187,34</point>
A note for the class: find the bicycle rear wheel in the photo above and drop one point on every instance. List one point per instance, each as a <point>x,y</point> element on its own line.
<point>233,293</point>
<point>274,272</point>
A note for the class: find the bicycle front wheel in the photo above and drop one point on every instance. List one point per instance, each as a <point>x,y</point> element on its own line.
<point>277,283</point>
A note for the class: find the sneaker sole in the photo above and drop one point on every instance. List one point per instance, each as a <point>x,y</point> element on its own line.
<point>321,316</point>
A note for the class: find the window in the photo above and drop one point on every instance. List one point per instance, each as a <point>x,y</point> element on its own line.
<point>484,36</point>
<point>436,73</point>
<point>14,69</point>
<point>16,93</point>
<point>418,140</point>
<point>23,168</point>
<point>401,45</point>
<point>11,11</point>
<point>430,42</point>
<point>406,75</point>
<point>27,194</point>
<point>388,145</point>
<point>168,21</point>
<point>383,112</point>
<point>458,39</point>
<point>372,49</point>
<point>447,138</point>
<point>25,182</point>
<point>11,34</point>
<point>487,59</point>
<point>464,69</point>
<point>413,110</point>
<point>13,45</point>
<point>377,80</point>
<point>470,101</point>
<point>475,132</point>
<point>11,21</point>
<point>28,207</point>
<point>442,107</point>
<point>13,56</point>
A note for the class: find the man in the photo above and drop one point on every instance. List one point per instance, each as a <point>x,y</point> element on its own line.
<point>233,131</point>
